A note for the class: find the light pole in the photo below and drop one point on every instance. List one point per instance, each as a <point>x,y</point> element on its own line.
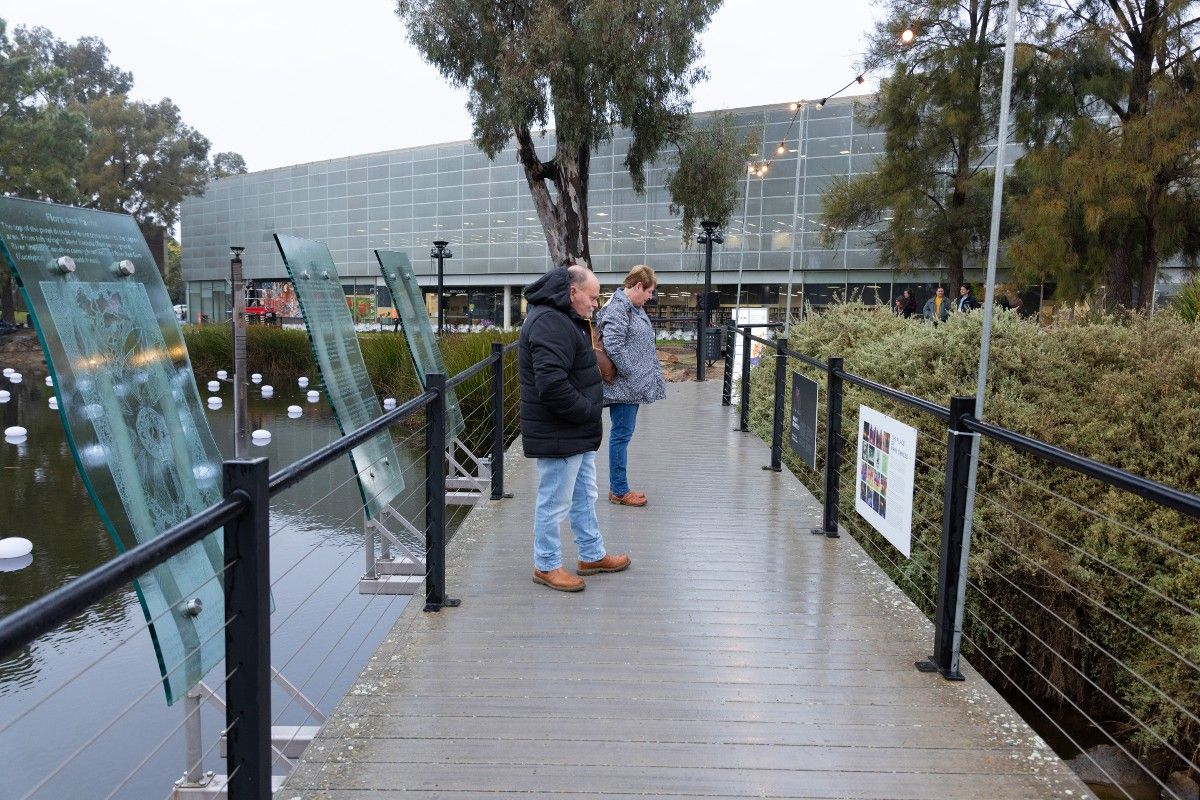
<point>239,351</point>
<point>441,253</point>
<point>708,238</point>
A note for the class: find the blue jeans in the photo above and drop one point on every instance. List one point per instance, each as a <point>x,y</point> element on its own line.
<point>623,417</point>
<point>566,486</point>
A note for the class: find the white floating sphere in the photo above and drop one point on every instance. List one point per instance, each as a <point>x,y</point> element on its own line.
<point>15,377</point>
<point>313,395</point>
<point>389,403</point>
<point>295,410</point>
<point>214,402</point>
<point>213,386</point>
<point>303,382</point>
<point>222,374</point>
<point>16,439</point>
<point>268,390</point>
<point>260,435</point>
<point>256,377</point>
<point>4,396</point>
<point>15,547</point>
<point>9,371</point>
<point>49,381</point>
<point>15,430</point>
<point>54,403</point>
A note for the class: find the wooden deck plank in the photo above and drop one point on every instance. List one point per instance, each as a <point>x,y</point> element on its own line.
<point>739,656</point>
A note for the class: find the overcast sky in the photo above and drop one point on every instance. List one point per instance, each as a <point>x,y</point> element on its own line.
<point>290,82</point>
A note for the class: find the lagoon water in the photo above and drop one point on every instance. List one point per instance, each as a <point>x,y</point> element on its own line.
<point>108,731</point>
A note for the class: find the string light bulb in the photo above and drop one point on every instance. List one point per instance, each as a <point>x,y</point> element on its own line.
<point>781,149</point>
<point>860,80</point>
<point>907,35</point>
<point>794,107</point>
<point>820,103</point>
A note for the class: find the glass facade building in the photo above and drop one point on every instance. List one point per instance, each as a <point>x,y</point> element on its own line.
<point>405,199</point>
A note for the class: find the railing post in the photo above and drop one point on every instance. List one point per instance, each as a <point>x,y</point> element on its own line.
<point>954,502</point>
<point>498,422</point>
<point>700,344</point>
<point>435,497</point>
<point>727,387</point>
<point>780,392</point>
<point>744,407</point>
<point>833,447</point>
<point>248,634</point>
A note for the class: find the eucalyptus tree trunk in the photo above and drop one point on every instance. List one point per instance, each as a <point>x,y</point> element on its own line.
<point>563,213</point>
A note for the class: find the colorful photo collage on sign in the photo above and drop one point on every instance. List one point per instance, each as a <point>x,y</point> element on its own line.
<point>872,478</point>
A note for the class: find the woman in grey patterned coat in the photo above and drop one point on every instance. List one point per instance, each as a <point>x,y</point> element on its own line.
<point>629,339</point>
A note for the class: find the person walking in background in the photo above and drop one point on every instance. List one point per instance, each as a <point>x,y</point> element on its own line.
<point>937,308</point>
<point>965,301</point>
<point>908,304</point>
<point>628,337</point>
<point>561,408</point>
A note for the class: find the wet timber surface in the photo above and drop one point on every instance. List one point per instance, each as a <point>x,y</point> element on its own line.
<point>740,656</point>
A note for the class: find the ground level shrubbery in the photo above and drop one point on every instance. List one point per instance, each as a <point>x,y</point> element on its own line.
<point>1060,562</point>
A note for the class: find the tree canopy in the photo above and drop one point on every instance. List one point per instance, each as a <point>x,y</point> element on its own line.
<point>708,166</point>
<point>579,66</point>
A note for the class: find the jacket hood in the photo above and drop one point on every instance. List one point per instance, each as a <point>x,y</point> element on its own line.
<point>552,289</point>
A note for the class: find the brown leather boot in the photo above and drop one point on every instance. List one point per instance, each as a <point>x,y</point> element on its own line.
<point>609,563</point>
<point>558,579</point>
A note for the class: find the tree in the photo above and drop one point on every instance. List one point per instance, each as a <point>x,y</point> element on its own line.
<point>228,163</point>
<point>583,65</point>
<point>709,164</point>
<point>929,198</point>
<point>173,271</point>
<point>1111,193</point>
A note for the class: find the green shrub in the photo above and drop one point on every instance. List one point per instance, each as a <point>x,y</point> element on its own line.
<point>1187,300</point>
<point>1048,542</point>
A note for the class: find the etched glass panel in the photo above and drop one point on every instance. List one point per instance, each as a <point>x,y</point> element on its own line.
<point>418,332</point>
<point>129,404</point>
<point>343,373</point>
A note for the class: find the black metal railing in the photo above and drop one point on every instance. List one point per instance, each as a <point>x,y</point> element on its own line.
<point>243,512</point>
<point>1006,637</point>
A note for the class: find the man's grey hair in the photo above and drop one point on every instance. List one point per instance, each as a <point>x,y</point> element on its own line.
<point>578,274</point>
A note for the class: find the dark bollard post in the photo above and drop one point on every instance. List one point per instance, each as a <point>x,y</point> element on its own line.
<point>248,634</point>
<point>833,448</point>
<point>435,497</point>
<point>700,344</point>
<point>744,410</point>
<point>498,422</point>
<point>780,391</point>
<point>958,467</point>
<point>727,388</point>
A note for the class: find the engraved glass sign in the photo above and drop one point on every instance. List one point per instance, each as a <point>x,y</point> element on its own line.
<point>422,342</point>
<point>343,373</point>
<point>130,408</point>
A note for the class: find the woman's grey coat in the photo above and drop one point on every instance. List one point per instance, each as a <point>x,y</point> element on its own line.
<point>629,340</point>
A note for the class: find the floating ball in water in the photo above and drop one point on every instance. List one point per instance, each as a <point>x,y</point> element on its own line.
<point>389,403</point>
<point>260,437</point>
<point>4,396</point>
<point>268,390</point>
<point>15,547</point>
<point>222,375</point>
<point>15,431</point>
<point>297,410</point>
<point>214,402</point>
<point>54,403</point>
<point>313,395</point>
<point>213,386</point>
<point>256,377</point>
<point>303,382</point>
<point>9,371</point>
<point>15,377</point>
<point>49,381</point>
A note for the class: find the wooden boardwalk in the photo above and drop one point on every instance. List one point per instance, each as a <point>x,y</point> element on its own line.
<point>740,656</point>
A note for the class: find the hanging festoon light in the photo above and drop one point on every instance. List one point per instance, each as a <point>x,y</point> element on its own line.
<point>907,35</point>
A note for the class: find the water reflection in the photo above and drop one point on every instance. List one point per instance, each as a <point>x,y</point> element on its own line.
<point>323,630</point>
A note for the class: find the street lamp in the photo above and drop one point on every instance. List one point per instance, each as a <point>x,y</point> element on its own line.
<point>441,252</point>
<point>708,238</point>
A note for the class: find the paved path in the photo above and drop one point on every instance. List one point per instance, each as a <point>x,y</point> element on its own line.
<point>740,656</point>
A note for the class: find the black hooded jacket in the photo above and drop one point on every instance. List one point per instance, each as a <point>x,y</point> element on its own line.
<point>561,391</point>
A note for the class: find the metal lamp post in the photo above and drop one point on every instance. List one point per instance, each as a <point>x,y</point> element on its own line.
<point>240,432</point>
<point>708,238</point>
<point>441,252</point>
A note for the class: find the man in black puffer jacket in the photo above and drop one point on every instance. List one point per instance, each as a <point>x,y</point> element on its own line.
<point>561,401</point>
